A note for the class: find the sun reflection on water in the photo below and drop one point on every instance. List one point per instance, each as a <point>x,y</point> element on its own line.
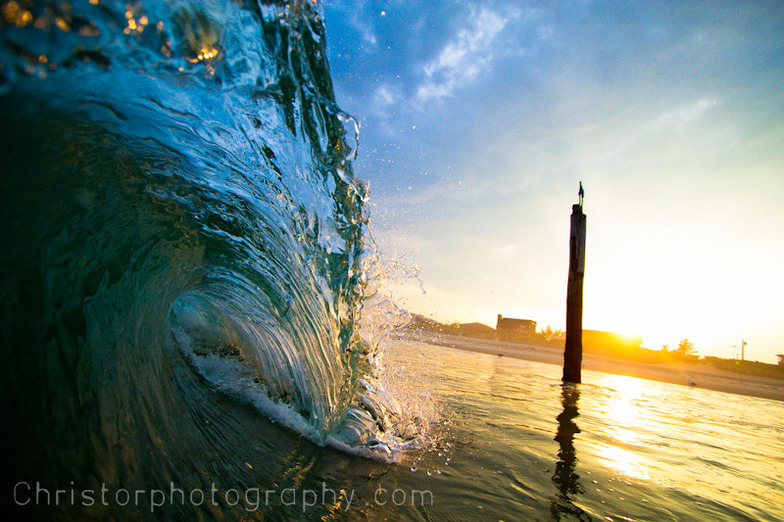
<point>625,461</point>
<point>625,425</point>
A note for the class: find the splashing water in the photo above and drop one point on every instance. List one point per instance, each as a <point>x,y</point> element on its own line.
<point>180,219</point>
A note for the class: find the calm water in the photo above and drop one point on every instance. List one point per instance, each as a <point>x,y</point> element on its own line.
<point>514,445</point>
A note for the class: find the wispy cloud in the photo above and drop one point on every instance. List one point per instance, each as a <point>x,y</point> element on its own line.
<point>685,114</point>
<point>464,58</point>
<point>360,19</point>
<point>385,96</point>
<point>366,30</point>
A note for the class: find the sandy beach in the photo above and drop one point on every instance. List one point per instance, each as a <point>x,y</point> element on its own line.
<point>703,375</point>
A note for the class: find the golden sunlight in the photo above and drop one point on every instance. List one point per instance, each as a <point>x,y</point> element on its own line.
<point>674,302</point>
<point>625,461</point>
<point>623,426</point>
<point>621,409</point>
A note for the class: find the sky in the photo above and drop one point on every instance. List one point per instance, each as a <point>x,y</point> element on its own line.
<point>479,119</point>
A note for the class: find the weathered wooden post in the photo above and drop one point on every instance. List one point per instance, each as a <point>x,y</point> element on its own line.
<point>573,352</point>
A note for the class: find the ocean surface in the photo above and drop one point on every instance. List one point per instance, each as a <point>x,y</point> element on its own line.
<point>512,443</point>
<point>191,326</point>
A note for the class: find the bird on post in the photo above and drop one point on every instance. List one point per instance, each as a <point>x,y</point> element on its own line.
<point>581,193</point>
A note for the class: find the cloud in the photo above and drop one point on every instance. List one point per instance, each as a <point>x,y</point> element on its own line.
<point>685,114</point>
<point>385,96</point>
<point>360,19</point>
<point>507,251</point>
<point>463,59</point>
<point>366,30</point>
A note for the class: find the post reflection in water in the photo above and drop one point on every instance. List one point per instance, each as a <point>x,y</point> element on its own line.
<point>565,479</point>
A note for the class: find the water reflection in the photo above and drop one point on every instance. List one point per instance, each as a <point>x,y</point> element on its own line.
<point>566,480</point>
<point>625,423</point>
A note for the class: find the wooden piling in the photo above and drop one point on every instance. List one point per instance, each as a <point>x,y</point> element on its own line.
<point>573,352</point>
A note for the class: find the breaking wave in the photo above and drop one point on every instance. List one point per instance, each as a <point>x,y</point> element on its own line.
<point>183,238</point>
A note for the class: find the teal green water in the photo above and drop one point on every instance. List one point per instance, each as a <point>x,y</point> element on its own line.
<point>183,257</point>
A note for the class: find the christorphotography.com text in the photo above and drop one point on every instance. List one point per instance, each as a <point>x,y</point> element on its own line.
<point>35,494</point>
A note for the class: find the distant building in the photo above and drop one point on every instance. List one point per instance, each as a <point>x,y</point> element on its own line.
<point>781,358</point>
<point>508,325</point>
<point>479,329</point>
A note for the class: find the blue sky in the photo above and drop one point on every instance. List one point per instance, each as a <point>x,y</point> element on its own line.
<point>478,120</point>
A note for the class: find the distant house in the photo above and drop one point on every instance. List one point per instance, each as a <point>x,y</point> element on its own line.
<point>781,358</point>
<point>510,327</point>
<point>477,329</point>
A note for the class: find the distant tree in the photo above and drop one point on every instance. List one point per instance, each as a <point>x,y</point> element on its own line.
<point>666,348</point>
<point>686,347</point>
<point>547,332</point>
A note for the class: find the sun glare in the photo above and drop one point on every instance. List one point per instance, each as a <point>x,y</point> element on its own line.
<point>667,304</point>
<point>624,424</point>
<point>624,461</point>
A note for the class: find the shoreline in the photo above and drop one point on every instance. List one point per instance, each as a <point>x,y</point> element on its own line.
<point>705,377</point>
